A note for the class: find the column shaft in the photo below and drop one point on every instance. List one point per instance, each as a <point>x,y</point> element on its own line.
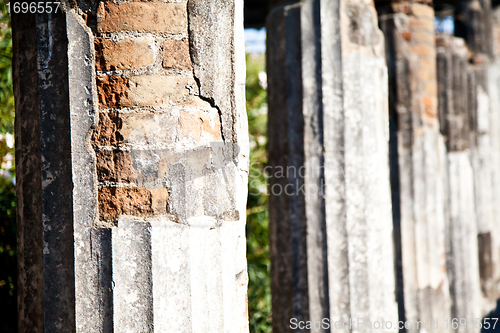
<point>475,24</point>
<point>418,170</point>
<point>330,218</point>
<point>461,229</point>
<point>130,118</point>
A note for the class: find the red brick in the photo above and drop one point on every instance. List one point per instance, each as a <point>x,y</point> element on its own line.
<point>116,201</point>
<point>422,50</point>
<point>142,16</point>
<point>114,166</point>
<point>124,54</point>
<point>176,54</point>
<point>425,24</point>
<point>147,90</point>
<point>108,133</point>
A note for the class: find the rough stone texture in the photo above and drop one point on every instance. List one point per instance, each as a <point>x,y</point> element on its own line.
<point>462,245</point>
<point>483,171</point>
<point>142,16</point>
<point>474,24</point>
<point>116,201</point>
<point>418,168</point>
<point>28,172</point>
<point>461,262</point>
<point>123,54</point>
<point>176,54</point>
<point>496,32</point>
<point>331,229</point>
<point>452,64</point>
<point>147,90</point>
<point>116,128</point>
<point>159,161</point>
<point>493,74</point>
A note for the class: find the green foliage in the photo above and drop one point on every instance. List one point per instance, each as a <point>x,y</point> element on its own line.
<point>6,94</point>
<point>259,290</point>
<point>8,262</point>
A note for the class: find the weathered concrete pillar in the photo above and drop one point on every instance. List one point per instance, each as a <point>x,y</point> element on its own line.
<point>330,210</point>
<point>132,152</point>
<point>417,161</point>
<point>462,260</point>
<point>474,24</point>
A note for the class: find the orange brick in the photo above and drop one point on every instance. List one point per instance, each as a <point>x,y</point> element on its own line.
<point>116,201</point>
<point>496,40</point>
<point>142,16</point>
<point>134,201</point>
<point>406,7</point>
<point>422,50</point>
<point>125,54</point>
<point>136,128</point>
<point>108,133</point>
<point>401,7</point>
<point>427,75</point>
<point>112,91</point>
<point>197,123</point>
<point>424,37</point>
<point>428,63</point>
<point>418,23</point>
<point>114,166</point>
<point>190,124</point>
<point>147,90</point>
<point>407,36</point>
<point>430,108</point>
<point>214,131</point>
<point>176,54</point>
<point>422,10</point>
<point>431,89</point>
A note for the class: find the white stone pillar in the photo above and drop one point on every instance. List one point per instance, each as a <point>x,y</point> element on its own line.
<point>330,210</point>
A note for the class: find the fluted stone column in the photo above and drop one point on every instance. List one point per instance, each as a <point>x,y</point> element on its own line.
<point>494,95</point>
<point>418,167</point>
<point>462,260</point>
<point>474,24</point>
<point>131,157</point>
<point>330,210</point>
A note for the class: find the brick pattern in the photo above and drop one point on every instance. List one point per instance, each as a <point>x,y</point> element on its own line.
<point>417,38</point>
<point>149,103</point>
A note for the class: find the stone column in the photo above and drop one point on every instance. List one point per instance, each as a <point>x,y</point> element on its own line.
<point>474,24</point>
<point>417,161</point>
<point>131,156</point>
<point>461,229</point>
<point>330,211</point>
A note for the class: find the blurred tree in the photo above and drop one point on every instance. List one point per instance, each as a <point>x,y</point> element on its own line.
<point>8,260</point>
<point>259,290</point>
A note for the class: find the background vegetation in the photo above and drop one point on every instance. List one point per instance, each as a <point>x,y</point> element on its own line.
<point>8,262</point>
<point>259,290</point>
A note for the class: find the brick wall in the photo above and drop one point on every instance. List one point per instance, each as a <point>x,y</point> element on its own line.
<point>149,105</point>
<point>417,41</point>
